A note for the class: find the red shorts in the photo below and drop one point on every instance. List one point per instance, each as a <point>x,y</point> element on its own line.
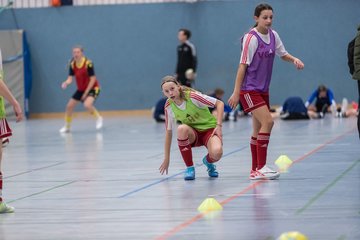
<point>251,100</point>
<point>202,138</point>
<point>5,130</point>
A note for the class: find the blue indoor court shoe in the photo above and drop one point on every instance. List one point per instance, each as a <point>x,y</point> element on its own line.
<point>189,174</point>
<point>211,168</point>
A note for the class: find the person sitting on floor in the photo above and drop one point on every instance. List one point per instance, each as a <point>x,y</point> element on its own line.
<point>293,109</point>
<point>158,110</point>
<point>219,94</point>
<point>324,103</point>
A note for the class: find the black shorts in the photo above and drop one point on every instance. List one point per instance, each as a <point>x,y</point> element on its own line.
<point>322,104</point>
<point>93,93</point>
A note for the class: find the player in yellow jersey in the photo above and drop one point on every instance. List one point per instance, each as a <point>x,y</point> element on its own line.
<point>88,88</point>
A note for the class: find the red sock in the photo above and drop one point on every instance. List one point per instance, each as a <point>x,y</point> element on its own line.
<point>209,159</point>
<point>185,150</point>
<point>1,185</point>
<point>262,146</point>
<point>253,148</point>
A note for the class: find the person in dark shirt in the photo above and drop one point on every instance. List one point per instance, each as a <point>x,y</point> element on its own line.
<point>186,59</point>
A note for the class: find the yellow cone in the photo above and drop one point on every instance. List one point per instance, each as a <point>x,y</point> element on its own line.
<point>292,236</point>
<point>209,204</point>
<point>283,163</point>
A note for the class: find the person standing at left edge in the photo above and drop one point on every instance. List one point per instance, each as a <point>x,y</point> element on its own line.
<point>5,130</point>
<point>88,88</point>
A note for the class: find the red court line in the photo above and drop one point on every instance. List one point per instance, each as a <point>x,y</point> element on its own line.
<point>183,225</point>
<point>199,216</point>
<point>322,146</point>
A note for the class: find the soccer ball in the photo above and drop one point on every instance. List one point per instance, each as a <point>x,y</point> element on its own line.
<point>190,74</point>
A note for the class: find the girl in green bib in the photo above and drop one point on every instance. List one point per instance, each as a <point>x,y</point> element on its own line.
<point>198,126</point>
<point>5,130</point>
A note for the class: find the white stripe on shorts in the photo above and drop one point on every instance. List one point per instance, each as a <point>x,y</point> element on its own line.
<point>248,100</point>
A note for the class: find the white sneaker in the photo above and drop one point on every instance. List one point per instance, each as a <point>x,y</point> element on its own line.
<point>4,208</point>
<point>344,106</point>
<point>253,175</point>
<point>266,173</point>
<point>64,129</point>
<point>99,123</point>
<point>333,109</point>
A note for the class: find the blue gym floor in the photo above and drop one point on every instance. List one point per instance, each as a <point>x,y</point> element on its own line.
<point>106,185</point>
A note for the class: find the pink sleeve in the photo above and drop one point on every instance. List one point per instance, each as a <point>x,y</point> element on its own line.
<point>249,48</point>
<point>202,100</point>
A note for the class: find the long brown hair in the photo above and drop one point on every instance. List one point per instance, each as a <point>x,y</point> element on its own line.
<point>259,8</point>
<point>182,90</point>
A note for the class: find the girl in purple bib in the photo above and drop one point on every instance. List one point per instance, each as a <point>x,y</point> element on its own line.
<point>252,82</point>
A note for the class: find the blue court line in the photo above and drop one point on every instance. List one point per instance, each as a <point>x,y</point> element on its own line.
<point>175,148</point>
<point>170,233</point>
<point>34,169</point>
<point>177,174</point>
<point>225,134</point>
<point>172,176</point>
<point>327,188</point>
<point>44,191</point>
